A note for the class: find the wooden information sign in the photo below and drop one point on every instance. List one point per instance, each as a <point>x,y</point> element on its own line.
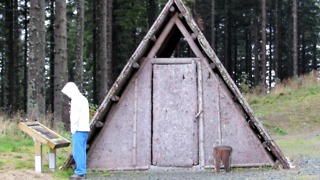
<point>43,135</point>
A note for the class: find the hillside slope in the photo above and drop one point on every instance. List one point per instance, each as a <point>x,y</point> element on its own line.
<point>290,108</point>
<point>291,115</point>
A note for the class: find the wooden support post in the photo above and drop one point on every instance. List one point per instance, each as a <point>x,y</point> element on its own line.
<point>135,118</point>
<point>219,116</point>
<point>52,160</point>
<point>200,116</point>
<point>38,156</point>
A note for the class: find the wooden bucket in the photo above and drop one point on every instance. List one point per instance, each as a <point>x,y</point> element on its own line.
<point>222,154</point>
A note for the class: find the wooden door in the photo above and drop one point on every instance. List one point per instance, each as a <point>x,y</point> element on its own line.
<point>175,128</point>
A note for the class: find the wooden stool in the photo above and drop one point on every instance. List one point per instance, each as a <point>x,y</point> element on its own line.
<point>222,153</point>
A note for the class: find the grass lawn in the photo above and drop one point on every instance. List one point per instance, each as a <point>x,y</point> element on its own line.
<point>17,156</point>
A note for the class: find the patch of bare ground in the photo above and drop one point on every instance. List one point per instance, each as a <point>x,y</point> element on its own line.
<point>23,175</point>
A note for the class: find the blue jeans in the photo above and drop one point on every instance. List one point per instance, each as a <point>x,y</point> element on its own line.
<point>79,151</point>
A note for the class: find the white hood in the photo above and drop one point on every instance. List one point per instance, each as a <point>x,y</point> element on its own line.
<point>71,90</point>
<point>79,111</point>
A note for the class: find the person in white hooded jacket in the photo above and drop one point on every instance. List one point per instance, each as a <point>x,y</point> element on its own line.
<point>80,127</point>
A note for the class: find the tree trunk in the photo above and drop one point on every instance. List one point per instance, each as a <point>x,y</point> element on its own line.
<point>271,63</point>
<point>15,71</point>
<point>25,67</point>
<point>213,27</point>
<point>3,79</point>
<point>152,11</point>
<point>109,62</point>
<point>51,59</point>
<point>41,61</point>
<point>295,38</point>
<point>234,64</point>
<point>248,67</point>
<point>61,107</point>
<point>94,54</point>
<point>302,64</point>
<point>36,73</point>
<point>277,39</point>
<point>78,76</point>
<point>9,57</point>
<point>256,44</point>
<point>314,56</point>
<point>227,48</point>
<point>10,77</point>
<point>102,54</point>
<point>264,43</point>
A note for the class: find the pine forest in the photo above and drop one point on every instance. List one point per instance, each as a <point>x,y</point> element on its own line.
<point>46,43</point>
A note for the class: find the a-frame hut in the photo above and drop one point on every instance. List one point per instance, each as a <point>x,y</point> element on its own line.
<point>166,111</point>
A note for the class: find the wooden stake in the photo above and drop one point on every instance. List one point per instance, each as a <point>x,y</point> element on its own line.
<point>201,121</point>
<point>135,117</point>
<point>219,115</point>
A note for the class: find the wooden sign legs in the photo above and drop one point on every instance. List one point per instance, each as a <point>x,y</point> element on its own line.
<point>43,135</point>
<point>38,158</point>
<point>52,160</point>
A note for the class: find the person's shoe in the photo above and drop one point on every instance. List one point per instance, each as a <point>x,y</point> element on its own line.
<point>76,176</point>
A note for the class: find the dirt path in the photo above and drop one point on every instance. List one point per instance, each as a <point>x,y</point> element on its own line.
<point>306,168</point>
<point>23,175</point>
